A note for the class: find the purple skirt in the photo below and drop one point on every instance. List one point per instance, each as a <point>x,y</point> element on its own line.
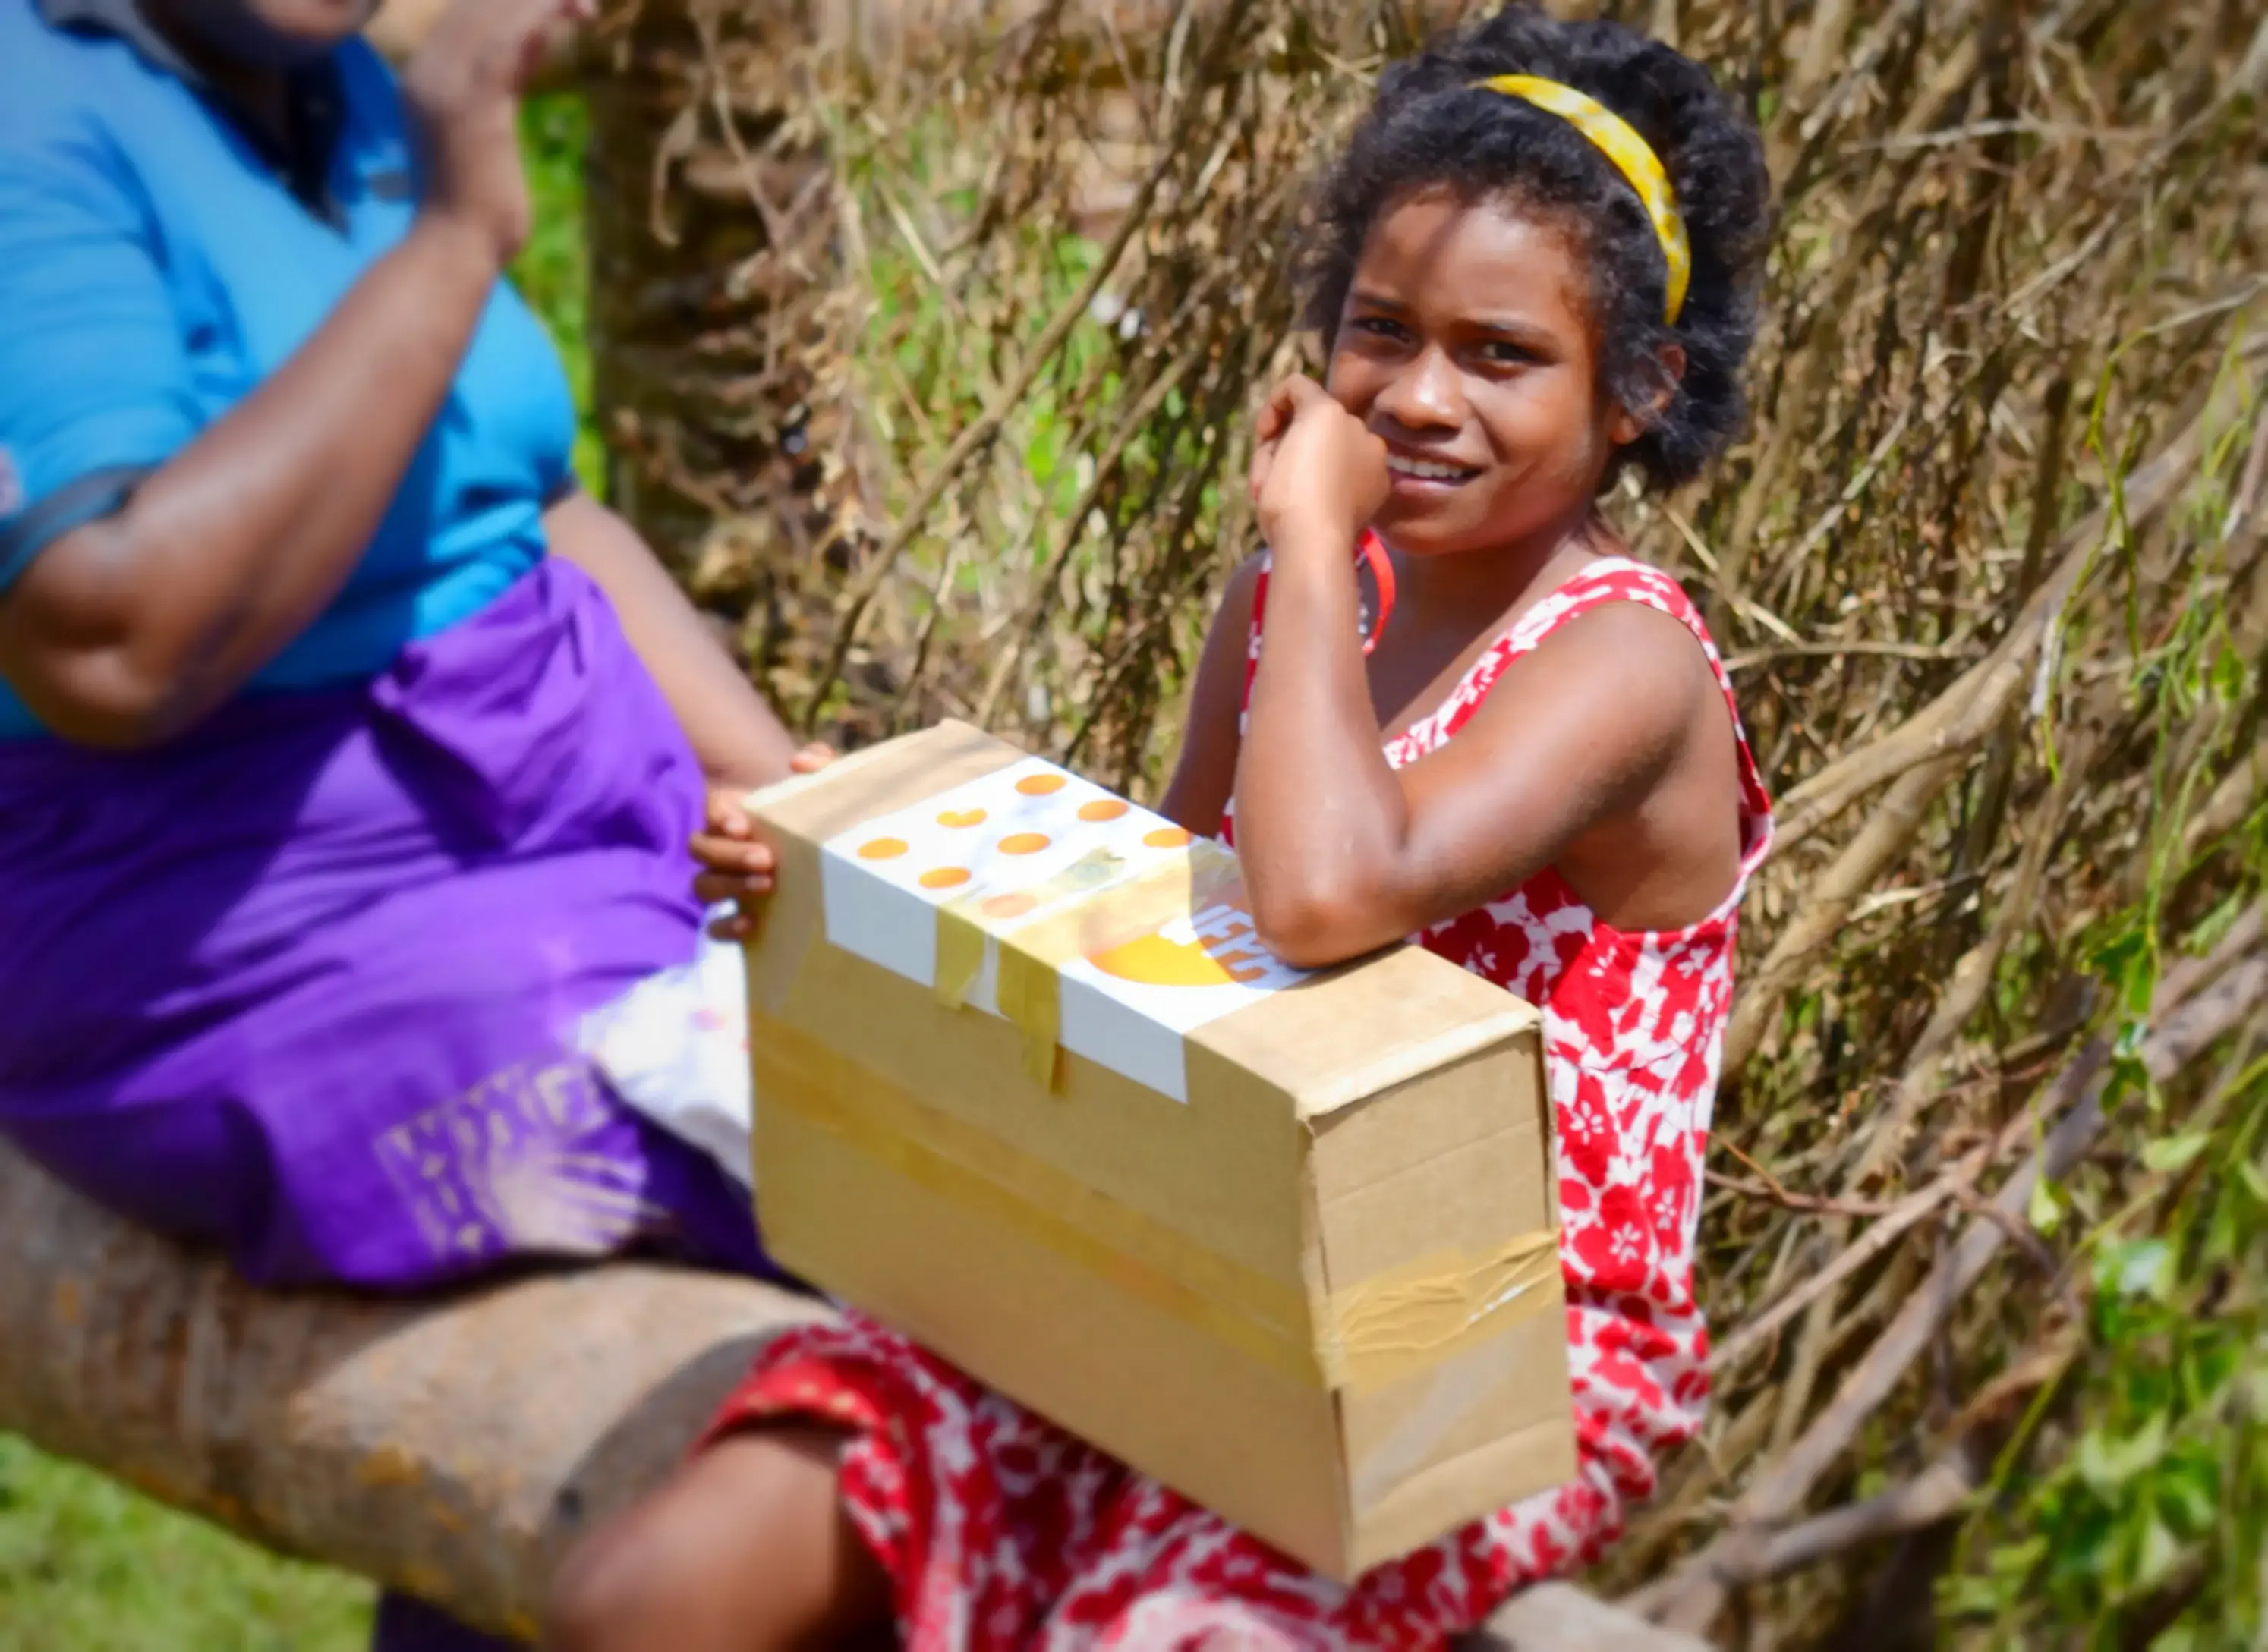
<point>304,983</point>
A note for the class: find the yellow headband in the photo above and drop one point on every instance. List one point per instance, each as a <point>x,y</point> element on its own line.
<point>1619,142</point>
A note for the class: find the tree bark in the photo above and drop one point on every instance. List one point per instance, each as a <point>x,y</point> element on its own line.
<point>451,1448</point>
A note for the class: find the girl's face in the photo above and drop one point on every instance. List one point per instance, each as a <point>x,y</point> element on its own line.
<point>1466,345</point>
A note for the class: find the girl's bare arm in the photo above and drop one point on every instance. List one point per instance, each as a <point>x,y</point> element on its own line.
<point>1204,776</point>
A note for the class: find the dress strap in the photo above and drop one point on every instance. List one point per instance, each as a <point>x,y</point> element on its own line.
<point>1373,552</point>
<point>1252,639</point>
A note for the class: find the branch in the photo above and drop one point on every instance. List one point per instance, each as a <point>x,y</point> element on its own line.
<point>1968,711</point>
<point>1560,1618</point>
<point>2196,1006</point>
<point>1973,974</point>
<point>2233,800</point>
<point>1895,1223</point>
<point>1829,902</point>
<point>861,589</point>
<point>1937,1494</point>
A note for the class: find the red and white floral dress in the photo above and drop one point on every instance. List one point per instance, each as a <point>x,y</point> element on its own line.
<point>1001,1532</point>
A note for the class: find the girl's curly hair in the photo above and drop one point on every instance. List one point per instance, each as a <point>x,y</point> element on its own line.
<point>1432,126</point>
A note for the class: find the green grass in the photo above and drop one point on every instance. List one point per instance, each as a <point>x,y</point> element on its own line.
<point>87,1565</point>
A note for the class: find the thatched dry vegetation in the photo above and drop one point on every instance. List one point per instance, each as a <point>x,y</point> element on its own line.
<point>929,351</point>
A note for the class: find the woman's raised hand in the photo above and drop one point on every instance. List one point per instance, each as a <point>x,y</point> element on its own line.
<point>1315,467</point>
<point>462,90</point>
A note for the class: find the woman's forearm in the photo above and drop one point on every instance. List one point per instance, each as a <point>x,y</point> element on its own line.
<point>1318,810</point>
<point>127,630</point>
<point>738,739</point>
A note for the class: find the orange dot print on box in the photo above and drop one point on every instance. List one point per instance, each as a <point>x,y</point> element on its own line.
<point>1010,905</point>
<point>1040,785</point>
<point>962,819</point>
<point>1101,809</point>
<point>1168,838</point>
<point>1023,843</point>
<point>944,877</point>
<point>881,848</point>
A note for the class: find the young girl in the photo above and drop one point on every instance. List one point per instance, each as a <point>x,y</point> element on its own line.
<point>1532,274</point>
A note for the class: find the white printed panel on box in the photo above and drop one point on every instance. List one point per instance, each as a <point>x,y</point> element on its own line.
<point>1024,843</point>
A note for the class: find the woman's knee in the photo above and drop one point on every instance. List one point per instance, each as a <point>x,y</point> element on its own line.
<point>745,1550</point>
<point>614,1591</point>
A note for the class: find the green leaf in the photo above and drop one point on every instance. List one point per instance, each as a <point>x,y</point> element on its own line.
<point>2173,1153</point>
<point>2107,1464</point>
<point>2019,1560</point>
<point>2227,676</point>
<point>2128,949</point>
<point>2190,1496</point>
<point>2132,1269</point>
<point>2161,1553</point>
<point>2045,1209</point>
<point>1960,1596</point>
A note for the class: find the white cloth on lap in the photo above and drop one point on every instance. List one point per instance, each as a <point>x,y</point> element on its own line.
<point>675,1047</point>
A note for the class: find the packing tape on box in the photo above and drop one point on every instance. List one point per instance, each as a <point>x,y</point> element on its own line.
<point>1031,996</point>
<point>1027,989</point>
<point>1374,1332</point>
<point>959,956</point>
<point>1031,949</point>
<point>1404,1321</point>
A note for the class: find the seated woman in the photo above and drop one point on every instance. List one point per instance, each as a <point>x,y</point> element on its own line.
<point>1532,276</point>
<point>349,756</point>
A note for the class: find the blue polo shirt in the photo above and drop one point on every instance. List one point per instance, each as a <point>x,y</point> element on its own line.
<point>158,259</point>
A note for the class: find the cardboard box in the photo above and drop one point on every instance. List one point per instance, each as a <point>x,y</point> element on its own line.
<point>1029,1090</point>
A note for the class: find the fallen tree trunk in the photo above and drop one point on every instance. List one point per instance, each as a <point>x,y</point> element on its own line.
<point>451,1449</point>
